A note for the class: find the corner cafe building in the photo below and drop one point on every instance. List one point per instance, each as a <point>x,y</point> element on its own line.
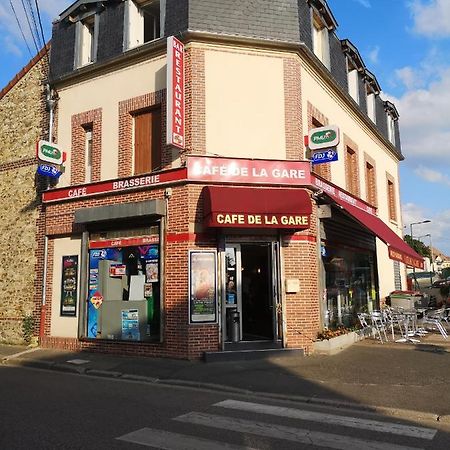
<point>219,254</point>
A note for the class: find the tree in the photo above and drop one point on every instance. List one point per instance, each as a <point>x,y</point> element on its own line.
<point>418,246</point>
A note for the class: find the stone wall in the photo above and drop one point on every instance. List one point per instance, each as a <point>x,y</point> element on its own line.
<point>22,123</point>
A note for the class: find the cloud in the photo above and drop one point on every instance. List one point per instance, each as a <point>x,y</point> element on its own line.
<point>410,77</point>
<point>439,227</point>
<point>431,18</point>
<point>365,3</point>
<point>424,120</point>
<point>432,176</point>
<point>373,55</point>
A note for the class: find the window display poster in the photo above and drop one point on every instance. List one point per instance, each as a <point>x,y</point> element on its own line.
<point>202,287</point>
<point>69,286</point>
<point>130,325</point>
<point>151,271</point>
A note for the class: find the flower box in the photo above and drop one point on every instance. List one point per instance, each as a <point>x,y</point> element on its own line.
<point>336,344</point>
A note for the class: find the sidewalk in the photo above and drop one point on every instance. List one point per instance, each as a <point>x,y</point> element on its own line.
<point>368,375</point>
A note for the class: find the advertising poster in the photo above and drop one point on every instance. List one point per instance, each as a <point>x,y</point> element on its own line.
<point>151,271</point>
<point>202,287</point>
<point>69,286</point>
<point>130,325</point>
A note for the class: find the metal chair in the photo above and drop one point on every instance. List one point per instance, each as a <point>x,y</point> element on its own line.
<point>434,318</point>
<point>379,325</point>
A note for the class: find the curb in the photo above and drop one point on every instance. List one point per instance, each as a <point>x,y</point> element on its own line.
<point>350,406</point>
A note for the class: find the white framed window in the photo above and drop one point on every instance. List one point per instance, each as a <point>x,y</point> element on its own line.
<point>320,38</point>
<point>353,84</point>
<point>88,153</point>
<point>371,107</point>
<point>391,128</point>
<point>144,22</point>
<point>86,40</point>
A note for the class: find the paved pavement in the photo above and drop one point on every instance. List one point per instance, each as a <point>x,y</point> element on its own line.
<point>389,377</point>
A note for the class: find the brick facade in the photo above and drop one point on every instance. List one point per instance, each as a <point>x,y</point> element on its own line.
<point>316,118</point>
<point>80,123</point>
<point>126,110</point>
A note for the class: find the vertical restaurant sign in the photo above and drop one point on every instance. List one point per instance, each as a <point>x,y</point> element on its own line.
<point>202,286</point>
<point>175,92</point>
<point>69,286</point>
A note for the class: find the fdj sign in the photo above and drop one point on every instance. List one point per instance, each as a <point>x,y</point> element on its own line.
<point>324,137</point>
<point>49,152</point>
<point>324,156</point>
<point>48,170</point>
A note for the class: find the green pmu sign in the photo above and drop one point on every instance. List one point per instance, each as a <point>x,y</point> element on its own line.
<point>49,152</point>
<point>324,137</point>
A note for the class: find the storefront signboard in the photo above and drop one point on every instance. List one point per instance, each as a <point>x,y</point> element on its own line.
<point>323,137</point>
<point>69,286</point>
<point>334,191</point>
<point>123,242</point>
<point>325,156</point>
<point>406,259</point>
<point>123,185</point>
<point>175,92</point>
<point>202,286</point>
<point>249,171</point>
<point>49,152</point>
<point>47,170</point>
<point>244,220</point>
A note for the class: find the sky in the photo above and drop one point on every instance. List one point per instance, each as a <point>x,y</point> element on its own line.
<point>405,43</point>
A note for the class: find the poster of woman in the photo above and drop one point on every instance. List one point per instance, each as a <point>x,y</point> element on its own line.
<point>202,286</point>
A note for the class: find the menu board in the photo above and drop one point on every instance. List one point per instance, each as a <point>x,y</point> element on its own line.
<point>69,286</point>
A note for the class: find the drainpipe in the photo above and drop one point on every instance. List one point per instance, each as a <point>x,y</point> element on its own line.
<point>51,103</point>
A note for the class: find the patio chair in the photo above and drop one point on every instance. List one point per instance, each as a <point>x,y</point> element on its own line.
<point>434,318</point>
<point>379,325</point>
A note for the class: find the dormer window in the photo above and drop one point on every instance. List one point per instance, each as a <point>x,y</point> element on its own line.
<point>321,44</point>
<point>86,41</point>
<point>355,69</point>
<point>392,117</point>
<point>373,89</point>
<point>322,23</point>
<point>142,22</point>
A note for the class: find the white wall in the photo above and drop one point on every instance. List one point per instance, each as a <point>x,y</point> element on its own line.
<point>245,104</point>
<point>63,326</point>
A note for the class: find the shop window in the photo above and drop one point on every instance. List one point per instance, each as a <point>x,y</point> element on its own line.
<point>391,199</point>
<point>147,141</point>
<point>142,22</point>
<point>88,139</point>
<point>321,44</point>
<point>86,41</point>
<point>351,286</point>
<point>371,184</point>
<point>351,171</point>
<point>124,287</point>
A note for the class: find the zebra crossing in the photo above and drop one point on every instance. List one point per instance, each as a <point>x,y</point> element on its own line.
<point>265,424</point>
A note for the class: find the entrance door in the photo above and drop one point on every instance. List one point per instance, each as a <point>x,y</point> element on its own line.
<point>251,290</point>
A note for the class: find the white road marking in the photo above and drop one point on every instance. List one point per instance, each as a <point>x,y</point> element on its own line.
<point>173,441</point>
<point>299,435</point>
<point>353,422</point>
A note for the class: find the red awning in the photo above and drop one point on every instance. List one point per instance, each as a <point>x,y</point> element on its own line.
<point>399,250</point>
<point>245,207</point>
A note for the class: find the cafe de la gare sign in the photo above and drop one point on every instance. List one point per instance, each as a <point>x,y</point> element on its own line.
<point>324,137</point>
